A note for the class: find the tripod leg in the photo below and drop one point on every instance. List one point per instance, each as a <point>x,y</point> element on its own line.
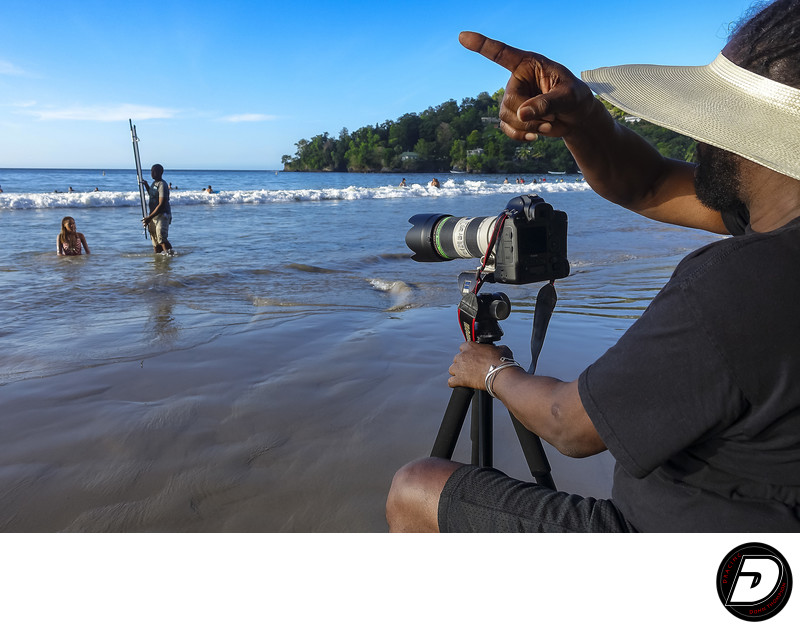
<point>451,425</point>
<point>482,426</point>
<point>534,454</point>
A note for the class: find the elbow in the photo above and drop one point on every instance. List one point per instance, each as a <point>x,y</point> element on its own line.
<point>580,449</point>
<point>561,436</point>
<point>573,434</point>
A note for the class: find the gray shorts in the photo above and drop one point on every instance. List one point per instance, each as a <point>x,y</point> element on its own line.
<point>484,500</point>
<point>159,228</point>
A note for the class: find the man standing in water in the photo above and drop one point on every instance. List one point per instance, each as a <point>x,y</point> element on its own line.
<point>160,217</point>
<point>698,401</point>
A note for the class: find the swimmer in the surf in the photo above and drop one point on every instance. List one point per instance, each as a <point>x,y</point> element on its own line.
<point>69,241</point>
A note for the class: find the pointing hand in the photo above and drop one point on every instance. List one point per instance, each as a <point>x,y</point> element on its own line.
<point>542,96</point>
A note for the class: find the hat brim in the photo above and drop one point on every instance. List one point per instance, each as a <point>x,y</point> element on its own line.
<point>719,104</point>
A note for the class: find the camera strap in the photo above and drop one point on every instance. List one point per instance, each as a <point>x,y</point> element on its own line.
<point>545,304</point>
<point>498,227</point>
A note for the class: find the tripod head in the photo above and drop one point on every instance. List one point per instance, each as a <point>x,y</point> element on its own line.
<point>478,316</point>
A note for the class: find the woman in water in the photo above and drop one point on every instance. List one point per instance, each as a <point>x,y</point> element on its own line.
<point>69,241</point>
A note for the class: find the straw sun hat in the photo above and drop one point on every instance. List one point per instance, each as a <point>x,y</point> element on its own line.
<point>719,104</point>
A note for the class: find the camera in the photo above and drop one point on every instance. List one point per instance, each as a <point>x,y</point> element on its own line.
<point>531,245</point>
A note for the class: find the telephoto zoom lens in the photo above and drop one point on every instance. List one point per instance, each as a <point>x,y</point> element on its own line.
<point>441,237</point>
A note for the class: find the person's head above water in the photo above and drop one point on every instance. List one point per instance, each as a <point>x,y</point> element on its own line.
<point>67,224</point>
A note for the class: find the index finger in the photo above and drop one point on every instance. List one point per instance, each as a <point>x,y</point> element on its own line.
<point>502,54</point>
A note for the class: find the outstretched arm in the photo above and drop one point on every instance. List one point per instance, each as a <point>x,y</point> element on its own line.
<point>543,97</point>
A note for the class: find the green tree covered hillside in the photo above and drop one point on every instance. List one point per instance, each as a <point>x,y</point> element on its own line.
<point>452,136</point>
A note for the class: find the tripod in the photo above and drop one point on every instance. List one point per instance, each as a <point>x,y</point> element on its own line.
<point>484,317</point>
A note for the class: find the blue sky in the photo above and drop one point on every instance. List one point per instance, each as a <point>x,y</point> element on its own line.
<point>236,84</point>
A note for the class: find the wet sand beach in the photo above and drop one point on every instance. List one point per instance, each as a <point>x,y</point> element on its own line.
<point>288,426</point>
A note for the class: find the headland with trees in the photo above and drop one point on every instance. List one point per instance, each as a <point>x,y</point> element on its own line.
<point>461,137</point>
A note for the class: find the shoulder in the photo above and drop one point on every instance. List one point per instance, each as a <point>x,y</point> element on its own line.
<point>752,254</point>
<point>743,281</point>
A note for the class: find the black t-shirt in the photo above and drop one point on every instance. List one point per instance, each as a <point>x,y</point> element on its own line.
<point>699,401</point>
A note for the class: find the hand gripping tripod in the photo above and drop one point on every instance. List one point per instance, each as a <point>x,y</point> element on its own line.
<point>479,315</point>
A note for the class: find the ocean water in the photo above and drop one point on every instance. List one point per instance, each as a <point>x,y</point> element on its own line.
<point>272,246</point>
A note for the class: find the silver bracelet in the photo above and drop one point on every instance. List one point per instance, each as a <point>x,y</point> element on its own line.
<point>504,362</point>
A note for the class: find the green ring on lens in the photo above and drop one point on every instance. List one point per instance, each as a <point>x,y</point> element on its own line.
<point>437,244</point>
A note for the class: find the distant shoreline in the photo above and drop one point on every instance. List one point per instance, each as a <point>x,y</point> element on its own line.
<point>432,172</point>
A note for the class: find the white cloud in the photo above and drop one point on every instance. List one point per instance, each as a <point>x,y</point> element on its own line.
<point>6,67</point>
<point>100,113</point>
<point>249,118</point>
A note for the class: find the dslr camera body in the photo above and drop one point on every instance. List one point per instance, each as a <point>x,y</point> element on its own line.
<point>531,245</point>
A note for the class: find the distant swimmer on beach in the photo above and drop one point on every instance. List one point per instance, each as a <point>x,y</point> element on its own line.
<point>697,401</point>
<point>209,190</point>
<point>70,189</point>
<point>402,183</point>
<point>160,217</point>
<point>434,183</point>
<point>69,241</point>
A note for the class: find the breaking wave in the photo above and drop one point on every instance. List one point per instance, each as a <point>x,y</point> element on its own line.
<point>451,188</point>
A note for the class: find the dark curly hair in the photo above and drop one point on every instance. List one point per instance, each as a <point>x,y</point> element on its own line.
<point>767,41</point>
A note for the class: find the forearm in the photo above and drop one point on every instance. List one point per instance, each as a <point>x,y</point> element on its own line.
<point>625,169</point>
<point>156,211</point>
<point>548,407</point>
<point>551,409</point>
<point>618,164</point>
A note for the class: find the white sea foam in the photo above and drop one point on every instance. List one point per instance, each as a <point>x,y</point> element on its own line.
<point>390,286</point>
<point>399,291</point>
<point>450,188</point>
